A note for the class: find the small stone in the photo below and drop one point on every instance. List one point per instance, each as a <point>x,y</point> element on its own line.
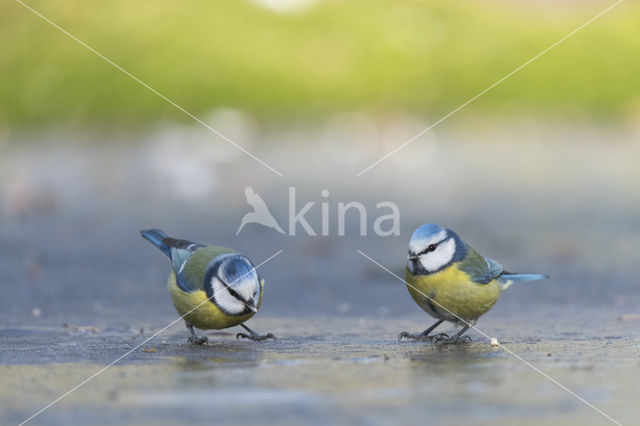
<point>494,342</point>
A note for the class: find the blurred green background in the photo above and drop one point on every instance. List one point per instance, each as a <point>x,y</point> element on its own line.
<point>294,59</point>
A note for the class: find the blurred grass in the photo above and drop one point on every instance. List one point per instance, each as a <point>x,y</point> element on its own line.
<point>423,57</point>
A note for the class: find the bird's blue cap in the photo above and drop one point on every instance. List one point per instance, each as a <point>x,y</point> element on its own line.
<point>427,231</point>
<point>233,268</point>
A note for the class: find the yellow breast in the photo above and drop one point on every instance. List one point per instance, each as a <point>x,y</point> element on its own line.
<point>201,312</point>
<point>452,289</point>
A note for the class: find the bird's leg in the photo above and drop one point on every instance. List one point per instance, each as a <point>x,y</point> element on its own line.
<point>253,335</point>
<point>456,338</point>
<point>192,336</point>
<point>424,336</point>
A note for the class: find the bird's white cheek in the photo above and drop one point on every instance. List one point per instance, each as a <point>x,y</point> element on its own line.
<point>224,300</point>
<point>439,258</point>
<point>428,264</point>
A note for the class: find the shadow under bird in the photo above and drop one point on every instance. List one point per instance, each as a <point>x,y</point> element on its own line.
<point>211,287</point>
<point>452,282</point>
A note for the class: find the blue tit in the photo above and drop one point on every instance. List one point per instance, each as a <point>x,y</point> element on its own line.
<point>211,287</point>
<point>452,282</point>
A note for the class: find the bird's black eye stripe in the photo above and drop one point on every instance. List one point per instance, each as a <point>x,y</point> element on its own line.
<point>429,249</point>
<point>233,293</point>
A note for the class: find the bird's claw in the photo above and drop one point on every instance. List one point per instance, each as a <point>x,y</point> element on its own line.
<point>440,338</point>
<point>198,340</point>
<point>421,337</point>
<point>255,336</point>
<point>443,339</point>
<point>465,339</point>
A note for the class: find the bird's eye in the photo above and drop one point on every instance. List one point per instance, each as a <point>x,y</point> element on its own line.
<point>431,248</point>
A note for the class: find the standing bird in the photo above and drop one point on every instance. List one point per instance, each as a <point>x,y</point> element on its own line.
<point>211,287</point>
<point>452,282</point>
<point>260,213</point>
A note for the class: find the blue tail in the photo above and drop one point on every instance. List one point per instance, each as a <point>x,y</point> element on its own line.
<point>516,278</point>
<point>156,237</point>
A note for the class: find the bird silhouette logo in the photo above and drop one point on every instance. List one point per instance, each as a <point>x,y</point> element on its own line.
<point>260,213</point>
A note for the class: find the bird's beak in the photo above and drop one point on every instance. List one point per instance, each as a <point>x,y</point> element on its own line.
<point>412,257</point>
<point>251,307</point>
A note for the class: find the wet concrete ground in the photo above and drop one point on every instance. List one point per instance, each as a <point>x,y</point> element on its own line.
<point>81,288</point>
<point>360,375</point>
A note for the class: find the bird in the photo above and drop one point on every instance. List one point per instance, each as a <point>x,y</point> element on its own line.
<point>452,282</point>
<point>260,213</point>
<point>211,287</point>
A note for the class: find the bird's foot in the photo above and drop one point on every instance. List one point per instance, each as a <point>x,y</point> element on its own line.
<point>443,339</point>
<point>422,337</point>
<point>255,336</point>
<point>197,340</point>
<point>437,338</point>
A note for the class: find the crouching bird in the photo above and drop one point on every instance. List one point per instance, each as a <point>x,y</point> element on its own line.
<point>452,282</point>
<point>211,287</point>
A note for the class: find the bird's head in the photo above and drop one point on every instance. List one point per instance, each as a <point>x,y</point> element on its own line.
<point>232,283</point>
<point>432,248</point>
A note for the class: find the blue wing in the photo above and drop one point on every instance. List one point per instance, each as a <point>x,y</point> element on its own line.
<point>179,251</point>
<point>481,269</point>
